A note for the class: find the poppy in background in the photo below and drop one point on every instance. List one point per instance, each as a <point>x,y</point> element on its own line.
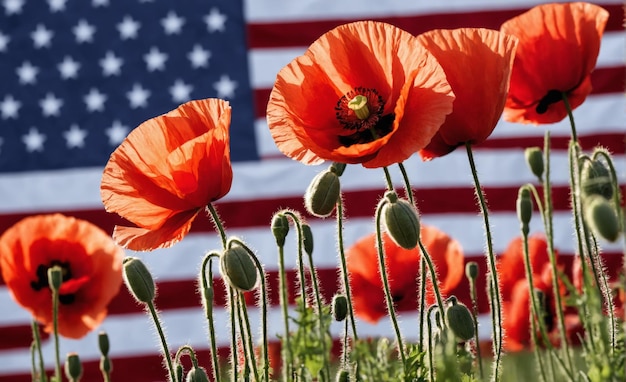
<point>557,51</point>
<point>365,92</point>
<point>90,261</point>
<point>477,63</point>
<point>168,170</point>
<point>368,299</point>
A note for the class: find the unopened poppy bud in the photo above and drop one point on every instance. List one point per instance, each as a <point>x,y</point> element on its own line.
<point>343,376</point>
<point>401,221</point>
<point>337,168</point>
<point>238,268</point>
<point>460,321</point>
<point>595,179</point>
<point>339,307</point>
<point>73,367</point>
<point>601,216</point>
<point>471,270</point>
<point>307,239</point>
<point>524,208</point>
<point>55,277</point>
<point>323,193</point>
<point>138,280</point>
<point>197,374</point>
<point>103,343</point>
<point>280,228</point>
<point>534,158</point>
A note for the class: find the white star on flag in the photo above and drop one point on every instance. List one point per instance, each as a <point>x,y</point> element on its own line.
<point>128,28</point>
<point>4,41</point>
<point>180,91</point>
<point>9,107</point>
<point>68,68</point>
<point>172,23</point>
<point>199,57</point>
<point>155,59</point>
<point>13,7</point>
<point>116,133</point>
<point>42,36</point>
<point>138,96</point>
<point>33,140</point>
<point>50,105</point>
<point>27,73</point>
<point>111,64</point>
<point>225,87</point>
<point>75,137</point>
<point>95,100</point>
<point>83,31</point>
<point>215,20</point>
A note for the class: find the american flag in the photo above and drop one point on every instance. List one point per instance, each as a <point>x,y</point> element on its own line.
<point>77,76</point>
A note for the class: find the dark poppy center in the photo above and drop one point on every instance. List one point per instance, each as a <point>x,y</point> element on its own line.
<point>42,279</point>
<point>360,111</point>
<point>553,96</point>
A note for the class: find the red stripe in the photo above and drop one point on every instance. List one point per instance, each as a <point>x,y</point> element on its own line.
<point>604,80</point>
<point>614,142</point>
<point>303,33</point>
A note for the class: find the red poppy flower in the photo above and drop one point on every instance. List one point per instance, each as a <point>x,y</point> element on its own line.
<point>478,65</point>
<point>365,92</point>
<point>402,266</point>
<point>166,171</point>
<point>91,263</point>
<point>557,51</point>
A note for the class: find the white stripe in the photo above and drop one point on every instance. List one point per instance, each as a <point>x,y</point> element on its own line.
<point>267,11</point>
<point>265,63</point>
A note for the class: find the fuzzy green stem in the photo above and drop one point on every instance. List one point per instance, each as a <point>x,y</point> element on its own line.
<point>422,301</point>
<point>166,352</point>
<point>385,280</point>
<point>320,313</point>
<point>189,350</point>
<point>219,227</point>
<point>496,301</point>
<point>282,287</point>
<point>433,277</point>
<point>37,344</point>
<point>247,334</point>
<point>246,347</point>
<point>570,115</point>
<point>388,179</point>
<point>232,308</point>
<point>55,331</point>
<point>474,299</point>
<point>345,277</point>
<point>407,183</point>
<point>207,293</point>
<point>301,278</point>
<point>431,345</point>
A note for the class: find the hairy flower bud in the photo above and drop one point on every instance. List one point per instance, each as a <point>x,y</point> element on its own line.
<point>339,307</point>
<point>534,158</point>
<point>138,280</point>
<point>601,217</point>
<point>238,268</point>
<point>103,343</point>
<point>280,228</point>
<point>524,208</point>
<point>401,220</point>
<point>323,193</point>
<point>595,179</point>
<point>460,321</point>
<point>471,270</point>
<point>343,376</point>
<point>73,367</point>
<point>197,374</point>
<point>307,239</point>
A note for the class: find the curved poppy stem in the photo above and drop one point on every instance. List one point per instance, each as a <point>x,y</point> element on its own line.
<point>383,274</point>
<point>407,184</point>
<point>287,357</point>
<point>37,343</point>
<point>219,227</point>
<point>570,115</point>
<point>189,350</point>
<point>164,348</point>
<point>431,345</point>
<point>302,280</point>
<point>207,299</point>
<point>344,267</point>
<point>433,277</point>
<point>388,179</point>
<point>495,299</point>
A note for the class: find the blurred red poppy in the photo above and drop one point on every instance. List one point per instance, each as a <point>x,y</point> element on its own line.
<point>470,53</point>
<point>168,170</point>
<point>557,51</point>
<point>402,266</point>
<point>365,92</point>
<point>91,264</point>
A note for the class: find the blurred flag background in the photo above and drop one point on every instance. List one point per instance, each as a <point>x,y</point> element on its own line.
<point>77,76</point>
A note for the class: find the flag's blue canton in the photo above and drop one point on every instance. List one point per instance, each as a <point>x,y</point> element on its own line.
<point>78,75</point>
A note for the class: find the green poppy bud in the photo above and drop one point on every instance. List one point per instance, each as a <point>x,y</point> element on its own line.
<point>238,268</point>
<point>323,193</point>
<point>307,239</point>
<point>55,277</point>
<point>601,217</point>
<point>460,321</point>
<point>280,228</point>
<point>105,364</point>
<point>337,168</point>
<point>197,374</point>
<point>103,343</point>
<point>401,220</point>
<point>595,179</point>
<point>138,280</point>
<point>471,270</point>
<point>339,307</point>
<point>73,367</point>
<point>524,208</point>
<point>343,376</point>
<point>534,158</point>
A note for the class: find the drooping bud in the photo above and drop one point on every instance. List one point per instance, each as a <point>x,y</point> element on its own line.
<point>103,343</point>
<point>534,158</point>
<point>471,270</point>
<point>460,321</point>
<point>73,367</point>
<point>401,220</point>
<point>601,216</point>
<point>238,269</point>
<point>55,277</point>
<point>524,208</point>
<point>337,168</point>
<point>138,280</point>
<point>322,194</point>
<point>280,228</point>
<point>595,179</point>
<point>197,374</point>
<point>339,307</point>
<point>343,376</point>
<point>307,239</point>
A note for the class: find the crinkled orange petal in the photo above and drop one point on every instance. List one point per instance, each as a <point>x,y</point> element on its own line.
<point>477,63</point>
<point>558,49</point>
<point>301,111</point>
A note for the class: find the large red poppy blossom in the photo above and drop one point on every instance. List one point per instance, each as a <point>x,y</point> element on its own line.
<point>168,170</point>
<point>365,92</point>
<point>91,264</point>
<point>402,266</point>
<point>477,63</point>
<point>558,49</point>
